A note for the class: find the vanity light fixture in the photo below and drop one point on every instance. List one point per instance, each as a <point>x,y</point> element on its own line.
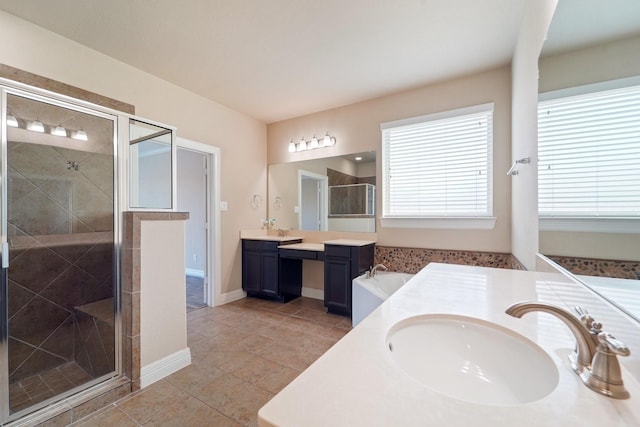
<point>12,121</point>
<point>303,145</point>
<point>36,126</point>
<point>59,131</point>
<point>80,135</point>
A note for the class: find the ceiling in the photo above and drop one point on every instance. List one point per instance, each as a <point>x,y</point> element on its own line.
<point>580,23</point>
<point>278,59</point>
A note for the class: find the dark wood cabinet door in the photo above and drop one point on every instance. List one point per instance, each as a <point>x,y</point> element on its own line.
<point>337,289</point>
<point>270,273</point>
<point>251,271</point>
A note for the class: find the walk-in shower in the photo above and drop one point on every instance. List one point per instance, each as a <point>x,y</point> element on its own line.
<point>59,224</point>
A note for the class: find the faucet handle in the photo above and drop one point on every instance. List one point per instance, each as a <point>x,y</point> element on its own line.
<point>605,375</point>
<point>613,345</point>
<point>587,319</point>
<point>581,311</point>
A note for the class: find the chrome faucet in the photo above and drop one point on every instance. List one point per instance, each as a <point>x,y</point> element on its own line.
<point>585,344</point>
<point>594,359</point>
<point>372,271</point>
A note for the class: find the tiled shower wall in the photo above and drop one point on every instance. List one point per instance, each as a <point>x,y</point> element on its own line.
<point>60,231</point>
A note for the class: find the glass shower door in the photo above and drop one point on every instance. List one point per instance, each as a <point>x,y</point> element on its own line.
<point>58,225</point>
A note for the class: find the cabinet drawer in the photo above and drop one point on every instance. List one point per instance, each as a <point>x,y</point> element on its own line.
<point>260,245</point>
<point>338,251</point>
<point>298,254</point>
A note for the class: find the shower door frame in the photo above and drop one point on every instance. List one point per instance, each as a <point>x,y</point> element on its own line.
<point>9,87</point>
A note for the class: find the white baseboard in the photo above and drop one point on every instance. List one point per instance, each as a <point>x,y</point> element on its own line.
<point>230,297</point>
<point>166,366</point>
<point>313,293</point>
<point>194,272</point>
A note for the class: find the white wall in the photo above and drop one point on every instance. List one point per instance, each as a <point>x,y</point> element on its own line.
<point>357,129</point>
<point>192,199</point>
<point>242,139</point>
<point>163,321</point>
<point>154,180</point>
<point>524,187</point>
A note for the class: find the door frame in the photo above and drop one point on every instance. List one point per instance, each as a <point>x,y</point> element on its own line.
<point>213,274</point>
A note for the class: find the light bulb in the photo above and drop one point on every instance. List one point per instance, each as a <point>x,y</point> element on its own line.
<point>302,145</point>
<point>313,143</point>
<point>12,121</point>
<point>326,141</point>
<point>80,135</point>
<point>292,146</point>
<point>36,126</point>
<point>59,131</point>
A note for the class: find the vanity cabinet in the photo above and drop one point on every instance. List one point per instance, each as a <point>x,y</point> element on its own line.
<point>261,269</point>
<point>343,263</point>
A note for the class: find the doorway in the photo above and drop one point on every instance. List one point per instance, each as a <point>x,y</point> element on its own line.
<point>198,194</point>
<point>312,201</point>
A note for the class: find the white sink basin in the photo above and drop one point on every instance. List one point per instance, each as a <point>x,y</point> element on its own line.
<point>471,359</point>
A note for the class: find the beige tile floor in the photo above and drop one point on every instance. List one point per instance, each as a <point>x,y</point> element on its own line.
<point>243,353</point>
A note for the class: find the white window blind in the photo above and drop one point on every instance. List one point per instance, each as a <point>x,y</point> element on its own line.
<point>589,155</point>
<point>439,165</point>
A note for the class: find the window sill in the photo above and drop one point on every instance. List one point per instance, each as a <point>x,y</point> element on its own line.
<point>452,223</point>
<point>592,225</point>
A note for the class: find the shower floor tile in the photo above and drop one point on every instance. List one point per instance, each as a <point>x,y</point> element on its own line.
<point>38,388</point>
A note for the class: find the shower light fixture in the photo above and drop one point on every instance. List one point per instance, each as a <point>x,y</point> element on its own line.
<point>80,135</point>
<point>59,131</point>
<point>36,126</point>
<point>314,143</point>
<point>12,121</point>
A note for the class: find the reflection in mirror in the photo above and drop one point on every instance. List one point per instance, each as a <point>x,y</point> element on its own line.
<point>592,45</point>
<point>328,194</point>
<point>150,155</point>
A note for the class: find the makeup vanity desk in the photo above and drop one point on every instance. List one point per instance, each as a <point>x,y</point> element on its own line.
<point>272,267</point>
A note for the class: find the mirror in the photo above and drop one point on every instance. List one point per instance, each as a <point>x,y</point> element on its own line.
<point>590,42</point>
<point>328,194</point>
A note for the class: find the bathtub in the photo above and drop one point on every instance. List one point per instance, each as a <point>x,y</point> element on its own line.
<point>368,294</point>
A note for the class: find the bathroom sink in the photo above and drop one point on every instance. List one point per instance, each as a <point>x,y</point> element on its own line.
<point>471,359</point>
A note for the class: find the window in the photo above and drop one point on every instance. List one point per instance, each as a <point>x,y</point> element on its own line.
<point>438,167</point>
<point>589,158</point>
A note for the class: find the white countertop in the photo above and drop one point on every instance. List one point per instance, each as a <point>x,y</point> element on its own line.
<point>349,242</point>
<point>315,247</point>
<point>355,383</point>
<point>272,238</point>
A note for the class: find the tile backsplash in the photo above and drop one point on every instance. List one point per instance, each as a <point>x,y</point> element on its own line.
<point>412,260</point>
